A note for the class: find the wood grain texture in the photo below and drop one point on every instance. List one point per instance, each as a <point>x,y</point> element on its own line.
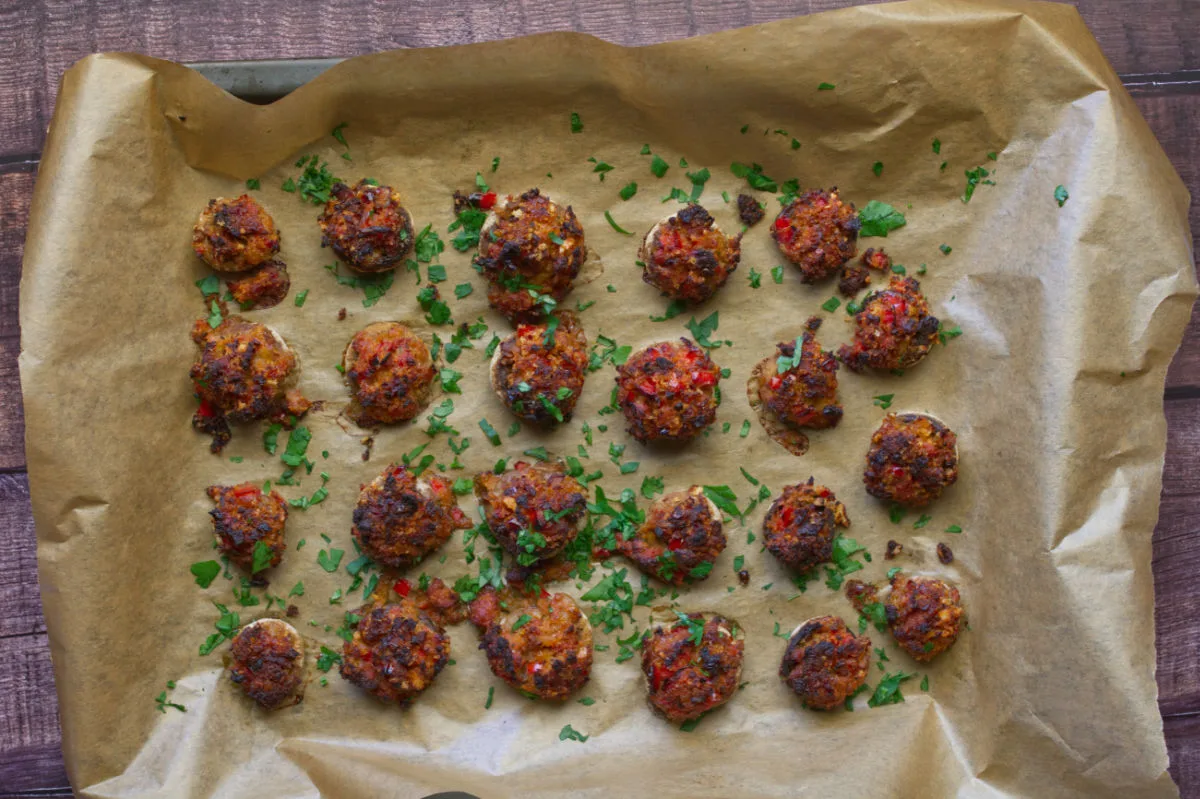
<point>1177,561</point>
<point>19,597</point>
<point>42,39</point>
<point>1183,745</point>
<point>16,190</point>
<point>1137,35</point>
<point>30,738</point>
<point>12,415</point>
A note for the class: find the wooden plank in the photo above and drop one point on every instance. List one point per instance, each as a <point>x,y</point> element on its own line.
<point>16,191</point>
<point>1174,116</point>
<point>1183,745</point>
<point>12,414</point>
<point>25,104</point>
<point>1176,562</point>
<point>30,737</point>
<point>19,595</point>
<point>45,38</point>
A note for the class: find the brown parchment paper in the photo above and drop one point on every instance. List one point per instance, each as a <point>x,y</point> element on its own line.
<point>1070,316</point>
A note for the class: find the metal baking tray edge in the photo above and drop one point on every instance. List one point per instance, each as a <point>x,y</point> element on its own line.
<point>263,82</point>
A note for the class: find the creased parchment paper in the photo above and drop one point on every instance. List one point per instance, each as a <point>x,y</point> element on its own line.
<point>1069,317</point>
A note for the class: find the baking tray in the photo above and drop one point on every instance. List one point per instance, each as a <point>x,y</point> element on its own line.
<point>263,82</point>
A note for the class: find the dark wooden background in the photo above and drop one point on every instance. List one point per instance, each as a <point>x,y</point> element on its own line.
<point>1153,44</point>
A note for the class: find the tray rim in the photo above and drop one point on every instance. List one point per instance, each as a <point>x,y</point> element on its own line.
<point>262,81</point>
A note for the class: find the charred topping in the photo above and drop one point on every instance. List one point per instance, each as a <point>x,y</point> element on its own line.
<point>749,210</point>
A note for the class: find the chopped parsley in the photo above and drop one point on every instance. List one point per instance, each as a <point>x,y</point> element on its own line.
<point>227,626</point>
<point>937,146</point>
<point>945,248</point>
<point>658,166</point>
<point>877,168</point>
<point>975,177</point>
<point>954,528</point>
<point>878,219</point>
<point>602,167</point>
<point>205,572</point>
<point>698,180</point>
<point>339,136</point>
<point>884,400</point>
<point>724,498</point>
<point>843,561</point>
<point>315,182</point>
<point>674,308</point>
<point>463,290</point>
<point>826,87</point>
<point>214,315</point>
<point>437,311</point>
<point>569,733</point>
<point>327,659</point>
<point>755,278</point>
<point>331,559</point>
<point>693,625</point>
<point>612,223</point>
<point>924,519</point>
<point>162,704</point>
<point>437,420</point>
<point>888,690</point>
<point>754,176</point>
<point>873,613</point>
<point>702,330</point>
<point>300,298</point>
<point>318,496</point>
<point>491,694</point>
<point>261,558</point>
<point>652,486</point>
<point>490,432</point>
<point>253,184</point>
<point>617,594</point>
<point>831,304</point>
<point>373,286</point>
<point>1061,195</point>
<point>524,619</point>
<point>945,334</point>
<point>677,194</point>
<point>576,123</point>
<point>209,285</point>
<point>628,190</point>
<point>468,223</point>
<point>777,274</point>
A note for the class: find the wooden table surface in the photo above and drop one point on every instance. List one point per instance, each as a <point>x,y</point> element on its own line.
<point>1153,44</point>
